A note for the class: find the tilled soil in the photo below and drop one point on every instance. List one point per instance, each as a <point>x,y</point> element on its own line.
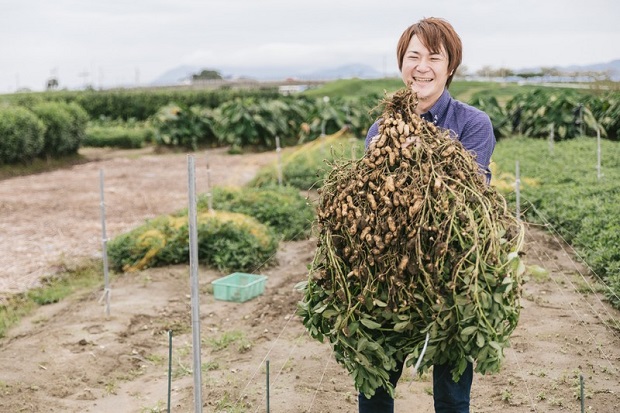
<point>70,357</point>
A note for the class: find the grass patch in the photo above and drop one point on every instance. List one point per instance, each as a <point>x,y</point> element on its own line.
<point>228,338</point>
<point>53,289</point>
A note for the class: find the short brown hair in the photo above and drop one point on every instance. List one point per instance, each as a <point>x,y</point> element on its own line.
<point>433,33</point>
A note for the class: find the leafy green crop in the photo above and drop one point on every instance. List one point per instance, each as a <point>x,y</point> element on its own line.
<point>534,114</point>
<point>571,198</point>
<point>282,208</point>
<point>226,241</point>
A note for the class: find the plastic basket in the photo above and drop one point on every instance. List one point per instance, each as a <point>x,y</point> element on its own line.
<point>239,287</point>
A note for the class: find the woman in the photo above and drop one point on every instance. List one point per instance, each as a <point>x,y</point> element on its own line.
<point>429,52</point>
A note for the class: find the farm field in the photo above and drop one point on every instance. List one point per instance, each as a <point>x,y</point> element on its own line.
<point>68,357</point>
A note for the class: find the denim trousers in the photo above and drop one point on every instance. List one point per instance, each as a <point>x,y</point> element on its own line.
<point>448,396</point>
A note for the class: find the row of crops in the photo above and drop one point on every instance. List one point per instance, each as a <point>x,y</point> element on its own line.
<point>564,112</point>
<point>253,119</point>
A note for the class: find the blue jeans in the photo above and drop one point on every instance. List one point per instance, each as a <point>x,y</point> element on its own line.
<point>448,396</point>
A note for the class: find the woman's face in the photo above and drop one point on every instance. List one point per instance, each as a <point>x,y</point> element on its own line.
<point>427,72</point>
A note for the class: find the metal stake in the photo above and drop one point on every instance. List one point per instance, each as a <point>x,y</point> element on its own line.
<point>209,195</point>
<point>169,367</point>
<point>598,153</point>
<point>193,264</point>
<point>551,138</point>
<point>583,402</point>
<point>518,191</point>
<point>278,151</point>
<point>104,247</point>
<point>267,367</point>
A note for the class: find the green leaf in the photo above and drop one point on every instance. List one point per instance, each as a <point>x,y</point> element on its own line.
<point>373,325</point>
<point>361,344</point>
<point>379,303</point>
<point>400,327</point>
<point>330,313</point>
<point>468,331</point>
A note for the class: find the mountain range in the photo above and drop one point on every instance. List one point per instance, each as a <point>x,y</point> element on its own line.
<point>182,74</point>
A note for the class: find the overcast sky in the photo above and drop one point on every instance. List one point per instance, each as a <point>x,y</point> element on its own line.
<point>113,42</point>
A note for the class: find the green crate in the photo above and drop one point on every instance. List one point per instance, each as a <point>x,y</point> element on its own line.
<point>239,287</point>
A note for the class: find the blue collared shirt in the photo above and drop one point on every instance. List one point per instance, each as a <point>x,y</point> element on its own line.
<point>471,126</point>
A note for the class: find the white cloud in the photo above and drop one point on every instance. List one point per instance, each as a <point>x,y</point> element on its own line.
<point>114,39</point>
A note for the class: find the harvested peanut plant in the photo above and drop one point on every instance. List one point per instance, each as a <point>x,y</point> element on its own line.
<point>412,241</point>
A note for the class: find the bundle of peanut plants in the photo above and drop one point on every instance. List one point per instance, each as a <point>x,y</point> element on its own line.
<point>412,243</point>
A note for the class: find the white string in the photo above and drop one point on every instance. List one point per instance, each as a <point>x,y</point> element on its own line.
<point>527,388</point>
<point>265,358</point>
<point>577,314</point>
<point>318,387</point>
<point>555,235</point>
<point>573,250</point>
<point>293,348</point>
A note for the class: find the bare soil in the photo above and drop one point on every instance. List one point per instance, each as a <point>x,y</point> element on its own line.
<point>70,357</point>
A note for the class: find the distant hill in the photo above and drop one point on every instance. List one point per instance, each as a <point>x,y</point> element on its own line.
<point>181,74</point>
<point>344,72</point>
<point>613,67</point>
<point>176,75</point>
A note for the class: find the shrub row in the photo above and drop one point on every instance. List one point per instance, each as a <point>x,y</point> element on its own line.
<point>46,130</point>
<point>227,240</point>
<point>281,208</point>
<point>569,113</point>
<point>21,135</point>
<point>117,136</point>
<point>256,123</point>
<point>139,104</point>
<point>305,166</point>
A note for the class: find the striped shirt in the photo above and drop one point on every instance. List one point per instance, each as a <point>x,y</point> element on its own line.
<point>471,126</point>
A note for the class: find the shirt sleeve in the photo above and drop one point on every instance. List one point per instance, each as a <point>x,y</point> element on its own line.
<point>478,138</point>
<point>372,132</point>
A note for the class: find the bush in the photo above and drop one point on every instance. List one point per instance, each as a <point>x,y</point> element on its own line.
<point>502,126</point>
<point>226,240</point>
<point>79,122</point>
<point>188,128</point>
<point>534,113</point>
<point>65,127</point>
<point>21,135</point>
<point>305,167</point>
<point>282,208</point>
<point>117,136</point>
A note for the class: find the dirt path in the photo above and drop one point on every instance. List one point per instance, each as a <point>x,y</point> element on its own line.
<point>68,357</point>
<point>51,218</point>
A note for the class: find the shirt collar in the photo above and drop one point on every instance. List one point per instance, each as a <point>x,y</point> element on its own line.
<point>439,108</point>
